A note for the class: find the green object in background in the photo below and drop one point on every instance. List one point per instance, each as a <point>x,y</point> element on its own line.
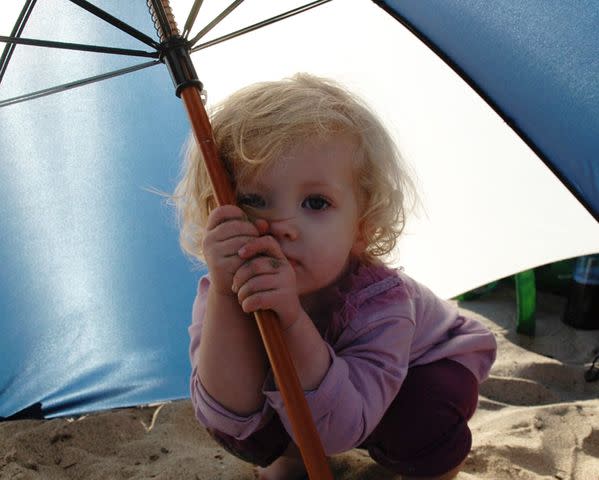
<point>553,278</point>
<point>477,292</point>
<point>526,300</point>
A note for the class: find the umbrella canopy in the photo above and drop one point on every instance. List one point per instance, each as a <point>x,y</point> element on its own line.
<point>95,296</point>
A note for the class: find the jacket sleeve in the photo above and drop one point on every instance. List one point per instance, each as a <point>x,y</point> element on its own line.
<point>368,366</point>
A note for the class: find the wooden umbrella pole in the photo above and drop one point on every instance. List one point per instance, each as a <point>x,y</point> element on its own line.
<point>176,56</point>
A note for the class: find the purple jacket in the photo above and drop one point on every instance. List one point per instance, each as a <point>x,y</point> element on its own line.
<point>385,324</point>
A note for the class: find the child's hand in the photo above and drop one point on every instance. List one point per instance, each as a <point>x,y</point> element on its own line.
<point>266,280</point>
<point>228,229</point>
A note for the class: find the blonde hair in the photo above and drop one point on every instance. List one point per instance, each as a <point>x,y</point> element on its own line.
<point>257,124</point>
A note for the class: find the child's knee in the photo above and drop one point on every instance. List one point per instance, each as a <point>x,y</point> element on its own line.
<point>436,459</point>
<point>425,430</point>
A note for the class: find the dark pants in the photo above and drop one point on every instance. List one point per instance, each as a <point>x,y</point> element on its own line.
<point>424,432</point>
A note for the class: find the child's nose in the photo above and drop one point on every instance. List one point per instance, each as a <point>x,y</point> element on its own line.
<point>285,228</point>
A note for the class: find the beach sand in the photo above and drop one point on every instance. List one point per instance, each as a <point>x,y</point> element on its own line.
<point>537,419</point>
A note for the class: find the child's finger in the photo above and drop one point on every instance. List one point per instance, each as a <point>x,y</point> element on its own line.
<point>217,250</point>
<point>261,225</point>
<point>264,245</point>
<point>283,305</point>
<point>261,265</point>
<point>232,228</point>
<point>260,293</point>
<point>227,248</point>
<point>258,301</point>
<point>223,214</point>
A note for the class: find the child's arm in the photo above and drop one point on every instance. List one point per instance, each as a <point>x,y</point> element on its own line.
<point>266,281</point>
<point>231,362</point>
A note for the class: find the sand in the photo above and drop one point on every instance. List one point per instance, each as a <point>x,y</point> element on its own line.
<point>538,419</point>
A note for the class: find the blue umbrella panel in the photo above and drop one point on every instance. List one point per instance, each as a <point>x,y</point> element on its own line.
<point>95,293</point>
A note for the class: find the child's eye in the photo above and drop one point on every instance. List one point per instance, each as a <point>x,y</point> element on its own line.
<point>316,202</point>
<point>252,200</point>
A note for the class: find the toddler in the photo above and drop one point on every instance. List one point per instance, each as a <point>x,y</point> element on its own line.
<point>321,197</point>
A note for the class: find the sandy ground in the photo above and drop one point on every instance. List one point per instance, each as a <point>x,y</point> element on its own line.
<point>538,419</point>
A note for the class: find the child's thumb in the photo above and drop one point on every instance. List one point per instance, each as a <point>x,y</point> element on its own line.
<point>261,225</point>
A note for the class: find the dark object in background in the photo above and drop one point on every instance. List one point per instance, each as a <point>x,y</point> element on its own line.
<point>582,309</point>
<point>556,277</point>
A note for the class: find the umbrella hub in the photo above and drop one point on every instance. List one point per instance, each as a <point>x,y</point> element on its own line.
<point>175,53</point>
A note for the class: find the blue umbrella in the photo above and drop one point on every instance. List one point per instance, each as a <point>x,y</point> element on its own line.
<point>95,295</point>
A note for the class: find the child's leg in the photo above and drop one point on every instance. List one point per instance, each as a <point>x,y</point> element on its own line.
<point>424,433</point>
<point>288,466</point>
<point>261,448</point>
<point>270,448</point>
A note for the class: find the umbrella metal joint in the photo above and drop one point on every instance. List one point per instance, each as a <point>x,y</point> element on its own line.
<point>175,53</point>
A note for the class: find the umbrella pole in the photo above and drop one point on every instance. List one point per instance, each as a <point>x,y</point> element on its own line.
<point>176,56</point>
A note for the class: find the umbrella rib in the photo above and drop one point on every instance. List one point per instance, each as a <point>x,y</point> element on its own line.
<point>115,22</point>
<point>75,84</point>
<point>261,24</point>
<point>220,17</point>
<point>16,32</point>
<point>191,18</point>
<point>77,46</point>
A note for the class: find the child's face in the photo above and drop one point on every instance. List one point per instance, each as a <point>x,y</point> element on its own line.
<point>308,199</point>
